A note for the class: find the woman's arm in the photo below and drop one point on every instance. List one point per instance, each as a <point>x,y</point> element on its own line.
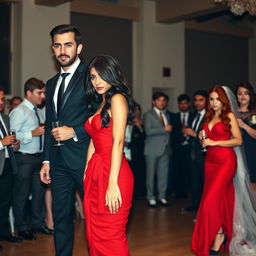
<point>236,139</point>
<point>90,152</point>
<point>119,112</point>
<point>247,128</point>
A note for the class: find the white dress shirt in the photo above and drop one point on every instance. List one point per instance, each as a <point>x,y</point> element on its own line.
<point>202,113</point>
<point>163,115</point>
<point>24,120</point>
<point>182,115</point>
<point>71,72</point>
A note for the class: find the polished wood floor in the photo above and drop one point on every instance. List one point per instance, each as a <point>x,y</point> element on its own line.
<point>151,232</point>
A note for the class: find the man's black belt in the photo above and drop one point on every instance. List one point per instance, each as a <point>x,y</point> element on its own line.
<point>28,154</point>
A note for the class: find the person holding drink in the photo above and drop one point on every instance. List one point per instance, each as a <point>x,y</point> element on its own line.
<point>8,168</point>
<point>214,223</point>
<point>24,119</point>
<point>66,104</point>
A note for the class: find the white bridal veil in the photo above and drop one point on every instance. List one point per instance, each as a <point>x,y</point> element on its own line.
<point>243,242</point>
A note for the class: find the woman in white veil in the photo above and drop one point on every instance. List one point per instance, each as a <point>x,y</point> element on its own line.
<point>243,242</point>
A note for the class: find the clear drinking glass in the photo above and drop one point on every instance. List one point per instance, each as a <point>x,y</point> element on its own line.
<point>56,124</point>
<point>204,136</point>
<point>13,132</point>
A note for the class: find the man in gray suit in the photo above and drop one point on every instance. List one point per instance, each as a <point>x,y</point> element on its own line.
<point>7,169</point>
<point>157,148</point>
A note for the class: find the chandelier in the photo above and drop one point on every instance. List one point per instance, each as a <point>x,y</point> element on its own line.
<point>239,7</point>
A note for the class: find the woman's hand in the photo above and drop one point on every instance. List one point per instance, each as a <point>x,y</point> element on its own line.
<point>201,135</point>
<point>113,197</point>
<point>208,142</point>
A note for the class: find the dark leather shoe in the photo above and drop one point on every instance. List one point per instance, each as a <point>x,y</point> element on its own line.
<point>11,239</point>
<point>43,230</point>
<point>1,248</point>
<point>26,235</point>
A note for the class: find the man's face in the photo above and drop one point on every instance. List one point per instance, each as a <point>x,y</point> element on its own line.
<point>199,102</point>
<point>2,101</point>
<point>36,97</point>
<point>160,103</point>
<point>184,105</point>
<point>15,103</point>
<point>65,49</point>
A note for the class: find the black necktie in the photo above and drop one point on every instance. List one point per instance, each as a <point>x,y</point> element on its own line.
<point>9,148</point>
<point>161,118</point>
<point>40,137</point>
<point>61,91</point>
<point>184,120</point>
<point>196,121</point>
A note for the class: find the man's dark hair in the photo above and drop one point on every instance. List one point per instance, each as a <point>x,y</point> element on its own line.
<point>157,95</point>
<point>33,83</point>
<point>183,97</point>
<point>65,28</point>
<point>201,93</point>
<point>15,98</point>
<point>1,89</point>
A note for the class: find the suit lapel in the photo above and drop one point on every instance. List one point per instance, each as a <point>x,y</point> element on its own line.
<point>156,116</point>
<point>51,93</point>
<point>6,122</point>
<point>75,78</point>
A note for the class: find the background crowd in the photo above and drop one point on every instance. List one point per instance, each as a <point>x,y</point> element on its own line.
<point>162,147</point>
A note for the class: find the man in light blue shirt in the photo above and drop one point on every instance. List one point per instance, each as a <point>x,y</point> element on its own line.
<point>25,120</point>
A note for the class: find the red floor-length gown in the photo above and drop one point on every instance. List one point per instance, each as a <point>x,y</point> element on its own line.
<point>105,232</point>
<point>217,204</point>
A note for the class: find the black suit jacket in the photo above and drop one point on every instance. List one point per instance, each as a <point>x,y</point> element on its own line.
<point>74,112</point>
<point>177,129</point>
<point>2,152</point>
<point>196,147</point>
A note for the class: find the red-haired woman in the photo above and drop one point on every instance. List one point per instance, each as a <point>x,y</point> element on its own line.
<point>215,215</point>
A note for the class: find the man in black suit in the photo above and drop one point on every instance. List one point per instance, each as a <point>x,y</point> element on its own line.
<point>63,166</point>
<point>197,156</point>
<point>181,147</point>
<point>8,168</point>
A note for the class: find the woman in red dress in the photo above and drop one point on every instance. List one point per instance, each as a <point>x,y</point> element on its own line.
<point>108,182</point>
<point>213,228</point>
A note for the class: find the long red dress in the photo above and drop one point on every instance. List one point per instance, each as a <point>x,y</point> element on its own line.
<point>217,204</point>
<point>105,232</point>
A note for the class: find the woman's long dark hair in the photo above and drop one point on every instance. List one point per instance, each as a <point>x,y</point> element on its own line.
<point>249,88</point>
<point>109,70</point>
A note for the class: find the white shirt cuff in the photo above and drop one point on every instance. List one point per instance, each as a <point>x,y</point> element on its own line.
<point>1,146</point>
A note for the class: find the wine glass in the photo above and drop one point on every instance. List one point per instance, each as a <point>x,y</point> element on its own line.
<point>204,136</point>
<point>56,124</point>
<point>13,132</point>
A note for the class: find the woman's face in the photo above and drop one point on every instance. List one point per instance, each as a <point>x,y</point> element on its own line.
<point>243,96</point>
<point>100,85</point>
<point>215,102</point>
<point>137,113</point>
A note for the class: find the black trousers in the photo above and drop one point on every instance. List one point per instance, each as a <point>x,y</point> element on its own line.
<point>197,181</point>
<point>181,164</point>
<point>6,185</point>
<point>26,182</point>
<point>65,182</point>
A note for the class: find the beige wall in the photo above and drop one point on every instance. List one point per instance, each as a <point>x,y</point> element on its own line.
<point>156,46</point>
<point>34,23</point>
